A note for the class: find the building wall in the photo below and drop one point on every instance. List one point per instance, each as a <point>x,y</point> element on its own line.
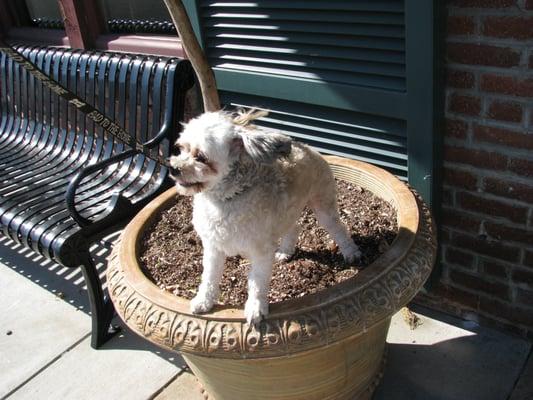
<point>487,213</point>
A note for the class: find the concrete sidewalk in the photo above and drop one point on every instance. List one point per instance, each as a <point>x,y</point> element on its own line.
<point>45,352</point>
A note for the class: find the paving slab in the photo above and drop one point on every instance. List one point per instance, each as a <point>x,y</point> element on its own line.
<point>524,387</point>
<point>447,358</point>
<point>184,387</point>
<point>125,368</point>
<point>35,327</point>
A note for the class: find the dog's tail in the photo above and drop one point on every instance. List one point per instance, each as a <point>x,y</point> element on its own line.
<point>244,117</point>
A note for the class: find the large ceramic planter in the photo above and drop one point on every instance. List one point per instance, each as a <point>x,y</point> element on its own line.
<point>329,345</point>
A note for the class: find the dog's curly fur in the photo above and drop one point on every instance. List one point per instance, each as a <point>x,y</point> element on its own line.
<point>250,186</point>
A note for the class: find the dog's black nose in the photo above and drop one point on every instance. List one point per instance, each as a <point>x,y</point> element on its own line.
<point>174,172</point>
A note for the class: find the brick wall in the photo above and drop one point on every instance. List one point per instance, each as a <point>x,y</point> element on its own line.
<point>487,218</point>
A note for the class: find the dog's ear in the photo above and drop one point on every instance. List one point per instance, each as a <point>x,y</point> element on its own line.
<point>265,147</point>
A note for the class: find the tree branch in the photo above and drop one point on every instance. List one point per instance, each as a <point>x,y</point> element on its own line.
<point>195,53</point>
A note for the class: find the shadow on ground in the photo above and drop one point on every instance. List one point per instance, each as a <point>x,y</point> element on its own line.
<point>65,283</point>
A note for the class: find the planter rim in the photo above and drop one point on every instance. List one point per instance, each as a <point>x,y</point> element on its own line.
<point>359,302</point>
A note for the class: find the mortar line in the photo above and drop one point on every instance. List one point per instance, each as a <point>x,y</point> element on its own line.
<point>167,384</point>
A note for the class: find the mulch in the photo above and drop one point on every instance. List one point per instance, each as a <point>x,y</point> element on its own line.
<point>171,252</point>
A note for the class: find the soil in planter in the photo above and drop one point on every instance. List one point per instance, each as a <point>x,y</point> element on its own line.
<point>172,252</point>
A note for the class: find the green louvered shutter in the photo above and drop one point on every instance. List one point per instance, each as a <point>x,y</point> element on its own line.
<point>351,78</point>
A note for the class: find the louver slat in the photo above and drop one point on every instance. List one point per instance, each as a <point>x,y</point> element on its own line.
<point>371,5</point>
<point>290,43</point>
<point>323,16</point>
<point>333,51</point>
<point>342,77</point>
<point>310,63</point>
<point>361,30</point>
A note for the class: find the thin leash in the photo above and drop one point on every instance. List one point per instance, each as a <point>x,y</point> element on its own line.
<point>92,113</point>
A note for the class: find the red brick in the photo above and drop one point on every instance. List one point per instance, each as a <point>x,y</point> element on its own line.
<point>447,197</point>
<point>509,234</point>
<point>483,3</point>
<point>489,248</point>
<point>508,27</point>
<point>459,178</point>
<point>503,137</point>
<point>480,204</point>
<point>453,218</point>
<point>477,158</point>
<point>511,190</point>
<point>521,166</point>
<point>495,269</point>
<point>464,104</point>
<point>505,111</point>
<point>509,312</point>
<point>460,79</point>
<point>482,54</point>
<point>522,277</point>
<point>459,257</point>
<point>458,295</point>
<point>478,283</point>
<point>455,128</point>
<point>444,235</point>
<point>460,25</point>
<point>504,84</point>
<point>529,5</point>
<point>528,258</point>
<point>524,297</point>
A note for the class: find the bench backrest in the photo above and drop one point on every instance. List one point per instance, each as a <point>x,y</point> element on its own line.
<point>139,92</point>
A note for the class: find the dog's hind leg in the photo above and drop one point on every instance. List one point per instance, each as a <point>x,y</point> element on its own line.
<point>288,243</point>
<point>325,208</point>
<point>209,290</point>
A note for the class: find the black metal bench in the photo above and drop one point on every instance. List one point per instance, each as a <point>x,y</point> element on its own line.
<point>64,183</point>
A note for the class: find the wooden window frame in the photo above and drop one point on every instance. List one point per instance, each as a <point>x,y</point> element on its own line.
<point>85,28</point>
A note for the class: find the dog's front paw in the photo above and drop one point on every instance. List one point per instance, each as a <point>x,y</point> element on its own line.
<point>282,256</point>
<point>255,310</point>
<point>352,255</point>
<point>201,304</point>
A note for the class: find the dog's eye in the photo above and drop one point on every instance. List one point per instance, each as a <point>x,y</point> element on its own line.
<point>200,157</point>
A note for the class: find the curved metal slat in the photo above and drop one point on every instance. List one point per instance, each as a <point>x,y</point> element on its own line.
<point>47,140</point>
<point>33,130</point>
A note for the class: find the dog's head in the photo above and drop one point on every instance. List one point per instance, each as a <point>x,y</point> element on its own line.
<point>212,143</point>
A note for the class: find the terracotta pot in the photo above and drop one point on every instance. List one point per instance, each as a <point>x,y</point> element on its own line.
<point>329,345</point>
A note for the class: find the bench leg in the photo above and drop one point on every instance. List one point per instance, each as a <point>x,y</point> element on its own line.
<point>102,310</point>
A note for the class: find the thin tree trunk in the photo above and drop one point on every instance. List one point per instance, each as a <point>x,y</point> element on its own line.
<point>195,53</point>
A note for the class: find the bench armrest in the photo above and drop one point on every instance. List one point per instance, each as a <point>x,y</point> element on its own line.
<point>161,135</point>
<point>73,186</point>
<point>116,198</point>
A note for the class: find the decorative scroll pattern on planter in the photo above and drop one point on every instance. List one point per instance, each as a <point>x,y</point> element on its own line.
<point>350,315</point>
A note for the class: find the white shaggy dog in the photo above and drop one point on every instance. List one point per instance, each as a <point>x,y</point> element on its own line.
<point>250,187</point>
